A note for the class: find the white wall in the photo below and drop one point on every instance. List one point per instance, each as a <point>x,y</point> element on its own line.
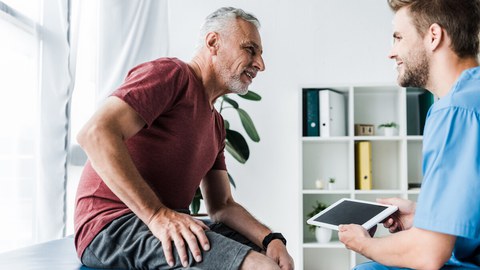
<point>305,42</point>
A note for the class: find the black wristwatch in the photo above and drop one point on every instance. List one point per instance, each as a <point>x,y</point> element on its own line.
<point>272,236</point>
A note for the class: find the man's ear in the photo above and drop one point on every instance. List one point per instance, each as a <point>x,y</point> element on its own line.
<point>436,36</point>
<point>211,42</point>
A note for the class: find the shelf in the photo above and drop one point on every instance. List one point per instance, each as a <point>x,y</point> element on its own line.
<point>326,191</point>
<point>356,191</point>
<point>359,138</point>
<point>332,244</point>
<point>396,162</point>
<point>378,138</point>
<point>415,138</point>
<point>326,139</point>
<point>379,191</point>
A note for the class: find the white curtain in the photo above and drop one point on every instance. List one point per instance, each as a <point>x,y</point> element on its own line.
<point>54,99</point>
<point>130,32</point>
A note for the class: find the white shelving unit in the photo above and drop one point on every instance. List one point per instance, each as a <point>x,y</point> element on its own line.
<point>396,160</point>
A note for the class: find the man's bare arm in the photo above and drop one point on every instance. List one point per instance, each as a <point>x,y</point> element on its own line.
<point>103,139</point>
<point>414,248</point>
<point>222,208</point>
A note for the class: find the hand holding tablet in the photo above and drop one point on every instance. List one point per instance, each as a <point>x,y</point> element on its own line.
<point>350,211</point>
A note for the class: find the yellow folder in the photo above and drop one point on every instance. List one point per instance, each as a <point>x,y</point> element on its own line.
<point>363,165</point>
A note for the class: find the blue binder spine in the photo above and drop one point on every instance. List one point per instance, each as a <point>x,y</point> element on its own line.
<point>311,113</point>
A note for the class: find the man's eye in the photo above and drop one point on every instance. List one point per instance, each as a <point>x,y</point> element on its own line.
<point>250,50</point>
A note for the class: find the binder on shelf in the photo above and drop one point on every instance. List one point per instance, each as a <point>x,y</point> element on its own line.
<point>425,101</point>
<point>363,165</point>
<point>413,116</point>
<point>310,113</point>
<point>332,113</point>
<point>418,103</point>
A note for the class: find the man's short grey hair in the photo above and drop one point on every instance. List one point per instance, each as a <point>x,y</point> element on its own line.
<point>220,21</point>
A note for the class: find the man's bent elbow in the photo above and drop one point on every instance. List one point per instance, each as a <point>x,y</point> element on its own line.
<point>434,261</point>
<point>89,136</point>
<point>220,211</point>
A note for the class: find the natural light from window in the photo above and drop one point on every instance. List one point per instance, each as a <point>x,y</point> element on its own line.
<point>18,139</point>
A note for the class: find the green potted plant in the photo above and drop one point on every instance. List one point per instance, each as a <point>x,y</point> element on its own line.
<point>389,129</point>
<point>331,183</point>
<point>323,235</point>
<point>235,143</point>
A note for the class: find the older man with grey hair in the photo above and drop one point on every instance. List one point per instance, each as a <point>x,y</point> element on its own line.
<point>155,140</point>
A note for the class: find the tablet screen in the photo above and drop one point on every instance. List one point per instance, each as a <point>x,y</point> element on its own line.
<point>348,212</point>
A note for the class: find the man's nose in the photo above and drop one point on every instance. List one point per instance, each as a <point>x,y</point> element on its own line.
<point>258,63</point>
<point>392,54</point>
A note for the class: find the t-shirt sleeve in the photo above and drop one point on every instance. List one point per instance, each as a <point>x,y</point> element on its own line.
<point>151,88</point>
<point>219,163</point>
<point>449,199</point>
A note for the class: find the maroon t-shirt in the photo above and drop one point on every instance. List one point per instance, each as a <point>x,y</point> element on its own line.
<point>182,140</point>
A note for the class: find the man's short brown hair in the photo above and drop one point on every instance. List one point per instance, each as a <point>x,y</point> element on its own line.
<point>459,18</point>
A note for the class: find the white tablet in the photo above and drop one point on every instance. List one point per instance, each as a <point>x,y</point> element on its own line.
<point>350,211</point>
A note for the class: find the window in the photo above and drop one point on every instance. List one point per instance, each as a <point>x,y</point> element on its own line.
<point>18,111</point>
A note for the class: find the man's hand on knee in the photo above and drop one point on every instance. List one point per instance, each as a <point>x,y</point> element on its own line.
<point>181,229</point>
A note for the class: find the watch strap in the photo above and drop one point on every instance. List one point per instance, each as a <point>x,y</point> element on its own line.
<point>272,236</point>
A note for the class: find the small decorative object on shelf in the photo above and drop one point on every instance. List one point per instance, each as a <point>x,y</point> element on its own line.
<point>364,130</point>
<point>323,235</point>
<point>319,184</point>
<point>331,183</point>
<point>389,129</point>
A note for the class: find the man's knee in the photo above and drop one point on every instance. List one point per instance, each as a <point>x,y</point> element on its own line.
<point>255,260</point>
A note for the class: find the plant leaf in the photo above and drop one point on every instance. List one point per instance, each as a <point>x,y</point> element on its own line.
<point>234,153</point>
<point>230,101</point>
<point>237,146</point>
<point>231,180</point>
<point>195,205</point>
<point>226,124</point>
<point>250,95</point>
<point>198,193</point>
<point>248,125</point>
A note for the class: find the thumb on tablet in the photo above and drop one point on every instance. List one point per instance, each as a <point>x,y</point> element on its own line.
<point>403,205</point>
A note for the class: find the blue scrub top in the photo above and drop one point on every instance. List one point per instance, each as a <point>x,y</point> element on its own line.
<point>449,201</point>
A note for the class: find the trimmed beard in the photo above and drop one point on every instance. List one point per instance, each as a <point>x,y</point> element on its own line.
<point>416,70</point>
<point>234,83</point>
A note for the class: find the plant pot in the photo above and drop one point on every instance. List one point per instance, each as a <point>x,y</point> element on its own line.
<point>331,186</point>
<point>323,235</point>
<point>389,131</point>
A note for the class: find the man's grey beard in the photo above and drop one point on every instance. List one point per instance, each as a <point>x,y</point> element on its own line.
<point>234,84</point>
<point>416,75</point>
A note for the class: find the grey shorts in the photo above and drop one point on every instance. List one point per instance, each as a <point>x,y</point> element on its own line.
<point>127,243</point>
